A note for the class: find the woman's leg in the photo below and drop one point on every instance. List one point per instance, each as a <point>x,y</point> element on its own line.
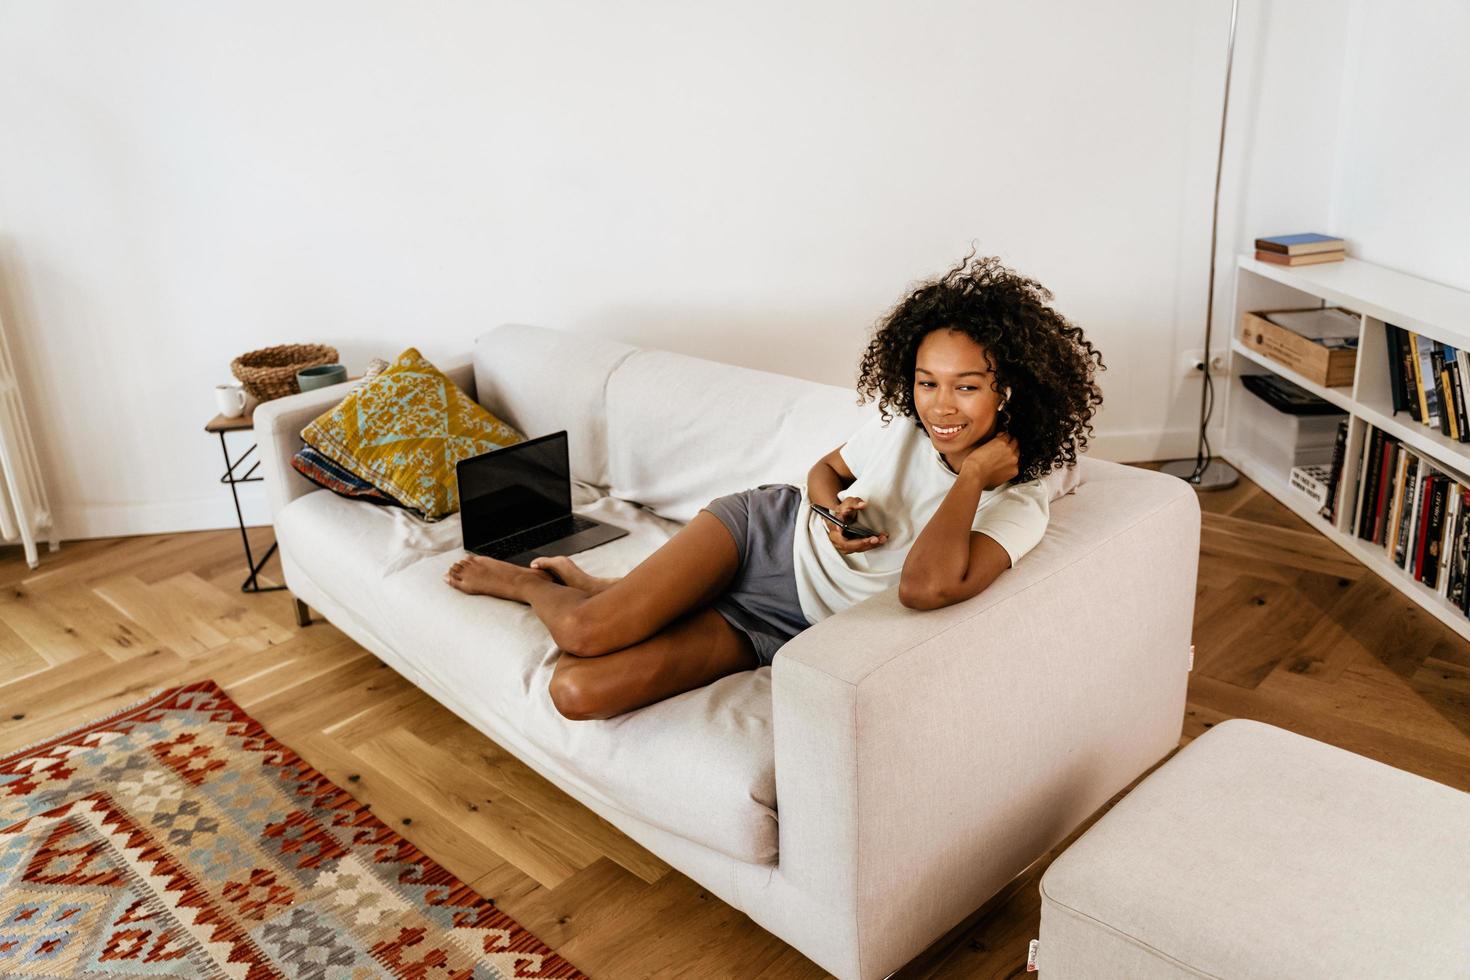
<point>694,651</point>
<point>687,573</point>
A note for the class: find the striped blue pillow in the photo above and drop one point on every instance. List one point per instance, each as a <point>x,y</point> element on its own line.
<point>325,473</point>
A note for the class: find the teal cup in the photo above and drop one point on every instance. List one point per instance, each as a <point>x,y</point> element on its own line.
<point>320,376</point>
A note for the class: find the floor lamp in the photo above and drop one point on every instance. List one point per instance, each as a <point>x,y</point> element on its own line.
<point>1205,472</point>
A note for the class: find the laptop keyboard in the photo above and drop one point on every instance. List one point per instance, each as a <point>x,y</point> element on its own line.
<point>537,536</point>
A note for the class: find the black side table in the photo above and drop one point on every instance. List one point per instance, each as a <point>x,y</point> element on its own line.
<point>222,425</point>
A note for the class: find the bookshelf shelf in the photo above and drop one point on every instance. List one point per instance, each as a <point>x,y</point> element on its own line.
<point>1372,290</point>
<point>1445,451</point>
<point>1380,296</point>
<point>1341,397</point>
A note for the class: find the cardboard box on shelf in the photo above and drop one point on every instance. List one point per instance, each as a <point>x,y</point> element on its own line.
<point>1331,367</point>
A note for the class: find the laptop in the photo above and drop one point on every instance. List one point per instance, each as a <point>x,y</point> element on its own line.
<point>515,503</point>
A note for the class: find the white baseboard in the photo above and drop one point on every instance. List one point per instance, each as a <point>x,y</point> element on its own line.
<point>214,512</point>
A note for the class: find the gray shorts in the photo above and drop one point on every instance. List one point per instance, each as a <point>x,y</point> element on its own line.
<point>761,600</point>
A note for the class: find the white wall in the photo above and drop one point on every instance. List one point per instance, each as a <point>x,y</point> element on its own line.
<point>1402,186</point>
<point>752,182</point>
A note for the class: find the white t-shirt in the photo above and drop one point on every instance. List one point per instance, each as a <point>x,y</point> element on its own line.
<point>904,479</point>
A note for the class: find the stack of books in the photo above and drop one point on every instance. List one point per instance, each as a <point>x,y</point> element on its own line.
<point>1429,380</point>
<point>1306,249</point>
<point>1418,514</point>
<point>1283,427</point>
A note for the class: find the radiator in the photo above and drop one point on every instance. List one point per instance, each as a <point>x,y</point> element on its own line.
<point>25,513</point>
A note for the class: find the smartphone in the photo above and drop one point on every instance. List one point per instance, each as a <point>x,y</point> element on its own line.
<point>848,530</point>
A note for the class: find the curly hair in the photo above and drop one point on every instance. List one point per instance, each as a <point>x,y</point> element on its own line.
<point>1046,361</point>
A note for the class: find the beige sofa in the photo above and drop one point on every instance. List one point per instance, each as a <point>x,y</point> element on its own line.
<point>894,768</point>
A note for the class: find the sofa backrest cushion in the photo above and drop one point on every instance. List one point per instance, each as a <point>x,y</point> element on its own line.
<point>665,430</point>
<point>543,381</point>
<point>683,430</point>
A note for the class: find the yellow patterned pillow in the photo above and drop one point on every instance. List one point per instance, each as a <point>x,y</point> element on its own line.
<point>404,431</point>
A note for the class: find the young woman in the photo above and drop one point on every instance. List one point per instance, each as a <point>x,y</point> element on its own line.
<point>992,389</point>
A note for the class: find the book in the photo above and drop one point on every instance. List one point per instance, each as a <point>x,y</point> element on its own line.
<point>1304,244</point>
<point>1460,564</point>
<point>1450,399</point>
<point>1426,505</point>
<point>1411,544</point>
<point>1409,371</point>
<point>1396,507</point>
<point>1366,462</point>
<point>1316,258</point>
<point>1457,508</point>
<point>1352,491</point>
<point>1462,362</point>
<point>1424,380</point>
<point>1385,487</point>
<point>1457,392</point>
<point>1395,375</point>
<point>1368,485</point>
<point>1312,481</point>
<point>1406,511</point>
<point>1436,367</point>
<point>1334,473</point>
<point>1433,539</point>
<point>1447,537</point>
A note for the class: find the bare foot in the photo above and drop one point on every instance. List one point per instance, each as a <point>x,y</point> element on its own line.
<point>478,575</point>
<point>566,571</point>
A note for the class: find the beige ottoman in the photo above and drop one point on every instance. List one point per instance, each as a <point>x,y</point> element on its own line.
<point>1255,852</point>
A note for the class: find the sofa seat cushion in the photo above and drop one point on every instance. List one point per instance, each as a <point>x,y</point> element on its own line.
<point>700,765</point>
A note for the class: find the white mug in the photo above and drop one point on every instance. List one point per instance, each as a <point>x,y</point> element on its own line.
<point>231,400</point>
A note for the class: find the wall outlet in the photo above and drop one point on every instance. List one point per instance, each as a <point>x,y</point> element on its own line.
<point>1193,363</point>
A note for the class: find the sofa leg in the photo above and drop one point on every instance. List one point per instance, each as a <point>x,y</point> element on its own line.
<point>303,612</point>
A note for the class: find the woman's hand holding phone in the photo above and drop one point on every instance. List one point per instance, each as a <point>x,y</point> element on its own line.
<point>847,511</point>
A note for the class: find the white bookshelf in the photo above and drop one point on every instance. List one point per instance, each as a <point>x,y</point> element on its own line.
<point>1379,296</point>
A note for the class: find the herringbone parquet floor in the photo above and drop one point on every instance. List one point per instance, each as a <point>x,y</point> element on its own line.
<point>1288,629</point>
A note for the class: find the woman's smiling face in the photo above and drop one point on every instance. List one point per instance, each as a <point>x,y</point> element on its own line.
<point>953,393</point>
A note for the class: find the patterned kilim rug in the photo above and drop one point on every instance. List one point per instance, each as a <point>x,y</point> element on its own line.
<point>177,838</point>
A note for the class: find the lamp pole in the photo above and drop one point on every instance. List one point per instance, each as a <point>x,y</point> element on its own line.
<point>1205,472</point>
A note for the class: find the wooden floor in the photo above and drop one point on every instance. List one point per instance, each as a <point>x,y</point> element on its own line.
<point>1289,630</point>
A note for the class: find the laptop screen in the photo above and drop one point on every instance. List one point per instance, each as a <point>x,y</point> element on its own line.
<point>515,488</point>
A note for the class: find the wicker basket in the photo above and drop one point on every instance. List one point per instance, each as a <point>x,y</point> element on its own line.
<point>271,372</point>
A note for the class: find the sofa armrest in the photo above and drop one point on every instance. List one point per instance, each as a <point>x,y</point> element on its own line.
<point>924,759</point>
<point>278,425</point>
